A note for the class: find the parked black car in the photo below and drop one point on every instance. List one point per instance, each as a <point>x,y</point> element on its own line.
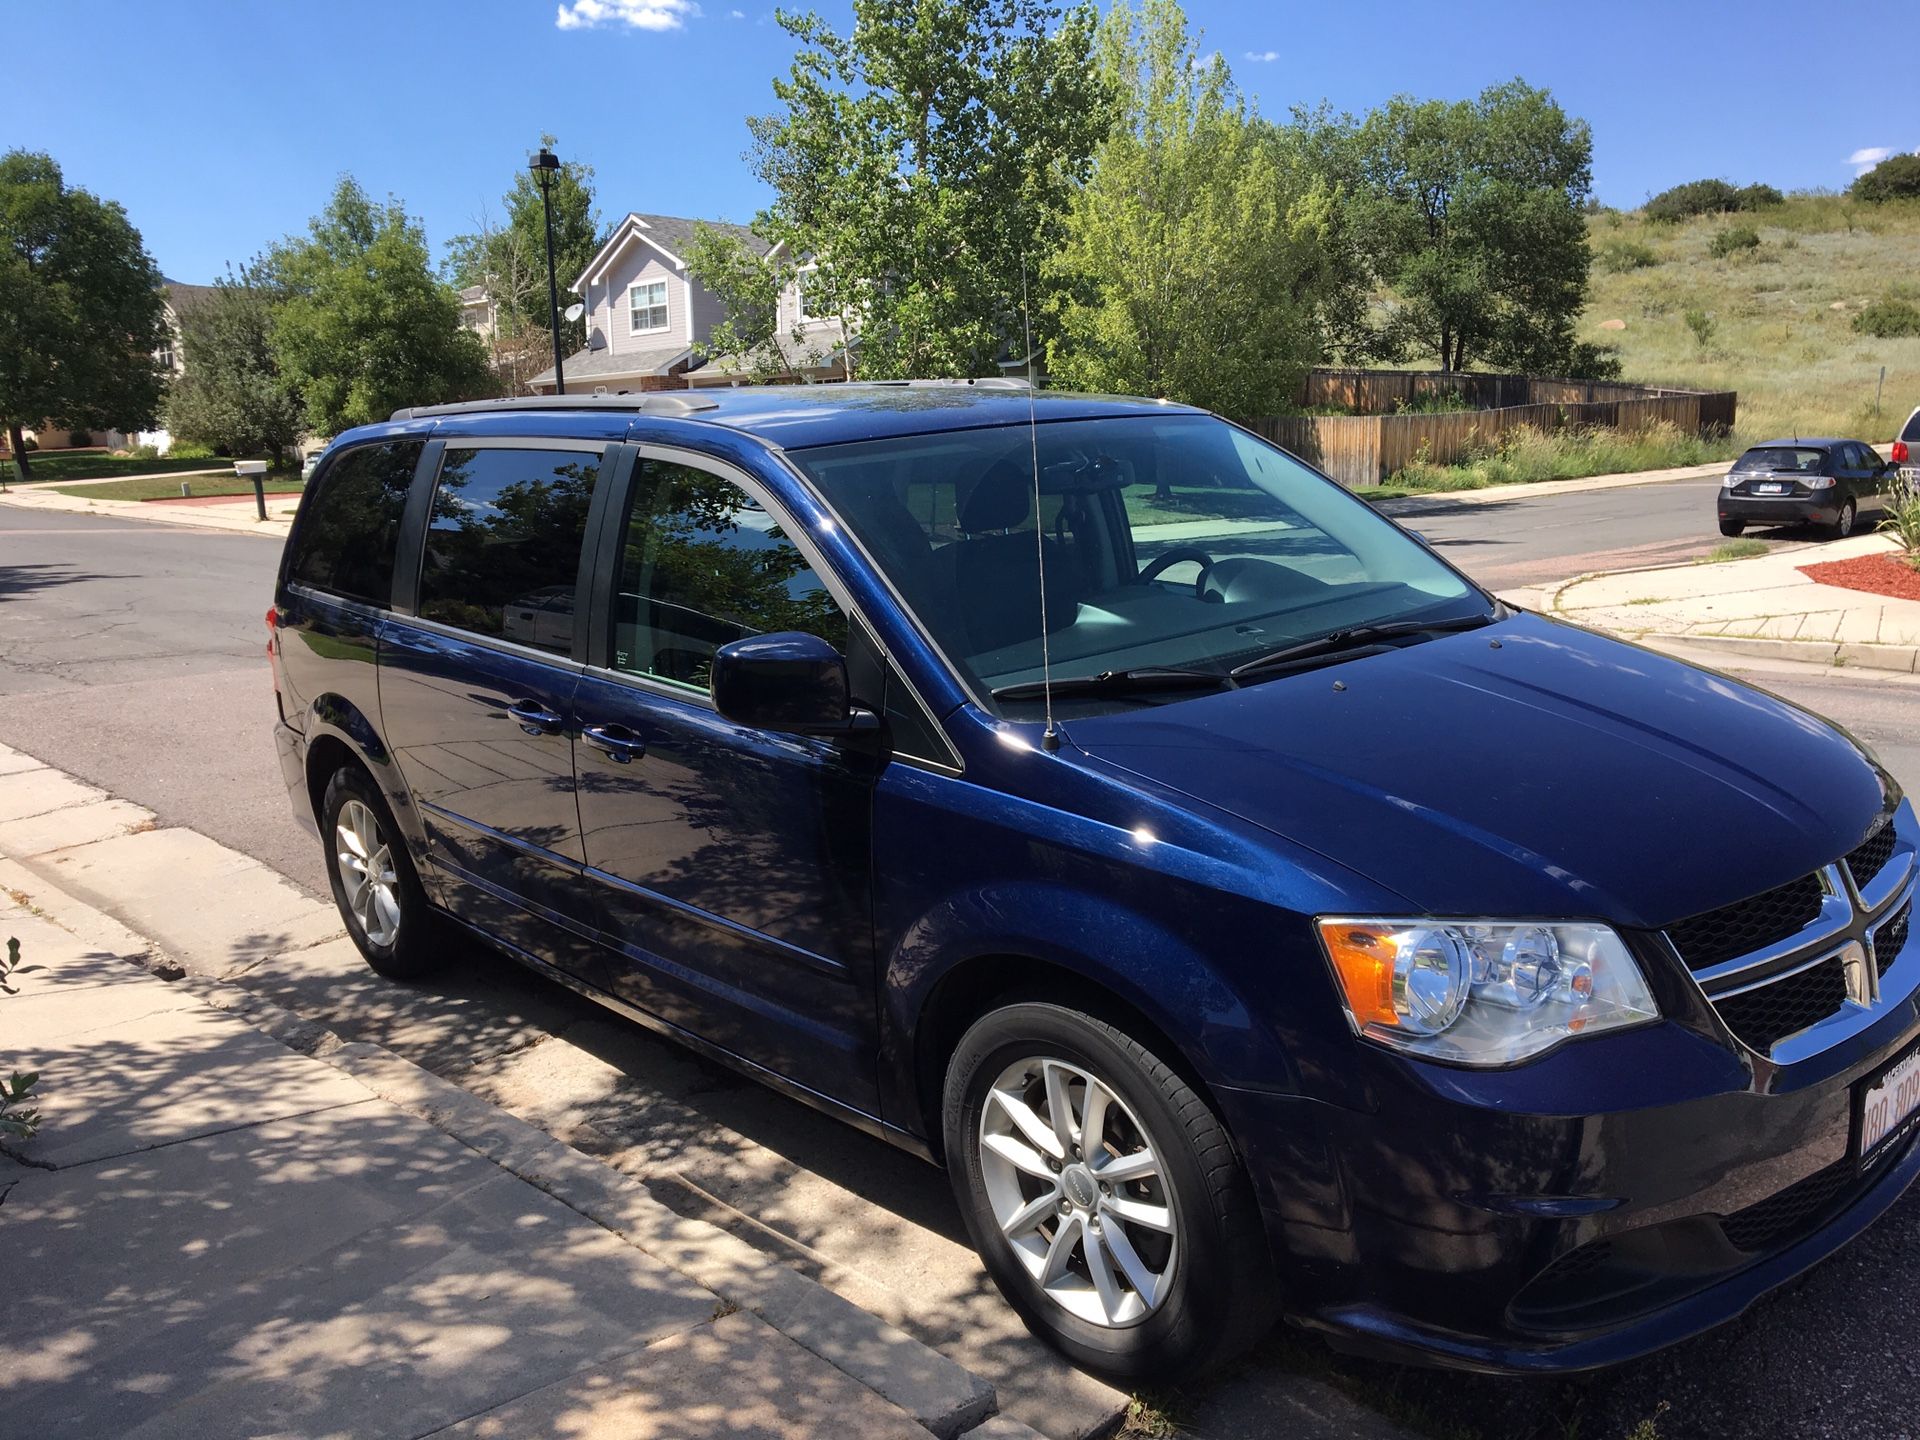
<point>1802,482</point>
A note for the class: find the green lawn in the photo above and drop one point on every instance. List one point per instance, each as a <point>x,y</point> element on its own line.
<point>158,487</point>
<point>89,465</point>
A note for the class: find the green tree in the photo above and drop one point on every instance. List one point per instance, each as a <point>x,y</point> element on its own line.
<point>366,328</point>
<point>1895,178</point>
<point>232,395</point>
<point>510,260</point>
<point>926,160</point>
<point>747,282</point>
<point>1200,253</point>
<point>81,313</point>
<point>1473,213</point>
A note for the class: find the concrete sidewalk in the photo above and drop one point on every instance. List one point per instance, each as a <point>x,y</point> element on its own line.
<point>1759,607</point>
<point>237,514</point>
<point>215,1234</point>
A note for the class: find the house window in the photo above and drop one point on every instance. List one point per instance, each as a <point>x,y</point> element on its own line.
<point>804,282</point>
<point>647,307</point>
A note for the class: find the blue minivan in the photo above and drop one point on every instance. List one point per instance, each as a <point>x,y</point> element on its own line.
<point>1253,915</point>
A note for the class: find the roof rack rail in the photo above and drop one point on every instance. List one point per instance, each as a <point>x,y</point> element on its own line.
<point>656,402</point>
<point>985,382</point>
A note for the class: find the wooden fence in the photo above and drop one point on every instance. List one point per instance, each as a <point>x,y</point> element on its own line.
<point>1364,449</point>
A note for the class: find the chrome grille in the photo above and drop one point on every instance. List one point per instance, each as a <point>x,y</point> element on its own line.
<point>1891,938</point>
<point>1870,856</point>
<point>1765,1015</point>
<point>1810,955</point>
<point>1748,925</point>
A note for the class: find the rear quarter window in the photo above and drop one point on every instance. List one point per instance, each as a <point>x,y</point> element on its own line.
<point>350,522</point>
<point>1912,432</point>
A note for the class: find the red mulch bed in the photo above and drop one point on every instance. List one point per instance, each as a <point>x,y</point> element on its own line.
<point>1876,574</point>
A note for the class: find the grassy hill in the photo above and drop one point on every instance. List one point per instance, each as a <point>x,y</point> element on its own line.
<point>1781,314</point>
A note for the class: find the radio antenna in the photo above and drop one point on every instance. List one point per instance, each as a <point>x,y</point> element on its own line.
<point>1050,739</point>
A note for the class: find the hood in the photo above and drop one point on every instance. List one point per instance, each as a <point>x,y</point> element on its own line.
<point>1527,769</point>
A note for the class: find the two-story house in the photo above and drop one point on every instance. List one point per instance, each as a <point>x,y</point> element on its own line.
<point>647,314</point>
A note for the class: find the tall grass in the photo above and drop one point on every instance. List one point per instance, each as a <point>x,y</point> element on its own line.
<point>1780,314</point>
<point>1526,455</point>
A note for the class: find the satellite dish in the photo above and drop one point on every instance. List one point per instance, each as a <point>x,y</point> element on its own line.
<point>573,312</point>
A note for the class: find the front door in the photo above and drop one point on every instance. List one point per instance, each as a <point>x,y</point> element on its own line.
<point>732,865</point>
<point>477,688</point>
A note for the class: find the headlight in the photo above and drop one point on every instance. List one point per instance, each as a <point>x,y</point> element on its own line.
<point>1483,992</point>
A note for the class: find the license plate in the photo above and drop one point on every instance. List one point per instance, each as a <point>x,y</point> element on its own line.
<point>1886,1103</point>
<point>1769,489</point>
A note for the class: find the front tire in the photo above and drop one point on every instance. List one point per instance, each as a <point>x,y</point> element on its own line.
<point>373,879</point>
<point>1104,1196</point>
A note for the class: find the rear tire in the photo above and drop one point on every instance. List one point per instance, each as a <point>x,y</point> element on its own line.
<point>373,879</point>
<point>1843,526</point>
<point>1140,1257</point>
<point>1732,527</point>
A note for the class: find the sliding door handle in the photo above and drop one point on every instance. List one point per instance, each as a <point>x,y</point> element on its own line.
<point>616,742</point>
<point>534,718</point>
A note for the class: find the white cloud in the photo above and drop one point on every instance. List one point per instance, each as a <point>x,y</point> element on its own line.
<point>1203,62</point>
<point>1864,160</point>
<point>1263,57</point>
<point>635,14</point>
<point>736,14</point>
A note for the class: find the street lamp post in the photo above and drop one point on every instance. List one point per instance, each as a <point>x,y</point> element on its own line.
<point>545,165</point>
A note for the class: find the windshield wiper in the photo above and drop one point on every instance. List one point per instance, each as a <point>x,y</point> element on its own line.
<point>1353,638</point>
<point>1117,682</point>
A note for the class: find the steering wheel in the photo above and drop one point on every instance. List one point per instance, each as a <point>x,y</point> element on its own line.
<point>1167,559</point>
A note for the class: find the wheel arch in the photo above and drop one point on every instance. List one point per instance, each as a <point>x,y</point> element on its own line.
<point>339,734</point>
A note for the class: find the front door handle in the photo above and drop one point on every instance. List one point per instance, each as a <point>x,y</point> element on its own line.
<point>616,742</point>
<point>534,718</point>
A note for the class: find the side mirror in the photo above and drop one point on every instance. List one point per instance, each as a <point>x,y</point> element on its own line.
<point>788,681</point>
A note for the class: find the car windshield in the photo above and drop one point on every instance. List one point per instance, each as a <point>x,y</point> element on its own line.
<point>1173,542</point>
<point>1799,458</point>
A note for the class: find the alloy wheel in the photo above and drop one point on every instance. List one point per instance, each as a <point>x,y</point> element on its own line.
<point>1077,1188</point>
<point>364,859</point>
<point>1845,526</point>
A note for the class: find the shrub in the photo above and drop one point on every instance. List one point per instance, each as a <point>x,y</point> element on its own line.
<point>188,450</point>
<point>1618,256</point>
<point>1701,324</point>
<point>1888,318</point>
<point>79,439</point>
<point>1901,506</point>
<point>1895,178</point>
<point>1757,197</point>
<point>1733,240</point>
<point>27,442</point>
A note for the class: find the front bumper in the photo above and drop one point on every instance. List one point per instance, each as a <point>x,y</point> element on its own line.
<point>1611,1198</point>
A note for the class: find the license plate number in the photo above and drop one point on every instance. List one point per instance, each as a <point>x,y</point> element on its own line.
<point>1770,489</point>
<point>1889,1101</point>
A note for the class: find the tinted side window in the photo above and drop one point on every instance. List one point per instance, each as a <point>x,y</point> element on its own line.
<point>703,564</point>
<point>1911,431</point>
<point>350,523</point>
<point>503,543</point>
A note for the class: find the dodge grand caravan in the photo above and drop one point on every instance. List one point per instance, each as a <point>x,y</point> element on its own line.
<point>1253,915</point>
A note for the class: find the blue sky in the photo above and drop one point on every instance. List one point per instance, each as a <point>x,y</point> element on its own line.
<point>222,124</point>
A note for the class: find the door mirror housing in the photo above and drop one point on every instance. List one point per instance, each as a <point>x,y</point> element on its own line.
<point>788,681</point>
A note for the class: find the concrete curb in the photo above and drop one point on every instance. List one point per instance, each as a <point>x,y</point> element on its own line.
<point>941,1396</point>
<point>1487,494</point>
<point>1901,659</point>
<point>196,517</point>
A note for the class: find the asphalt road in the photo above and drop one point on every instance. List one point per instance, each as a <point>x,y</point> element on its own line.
<point>131,655</point>
<point>1512,541</point>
